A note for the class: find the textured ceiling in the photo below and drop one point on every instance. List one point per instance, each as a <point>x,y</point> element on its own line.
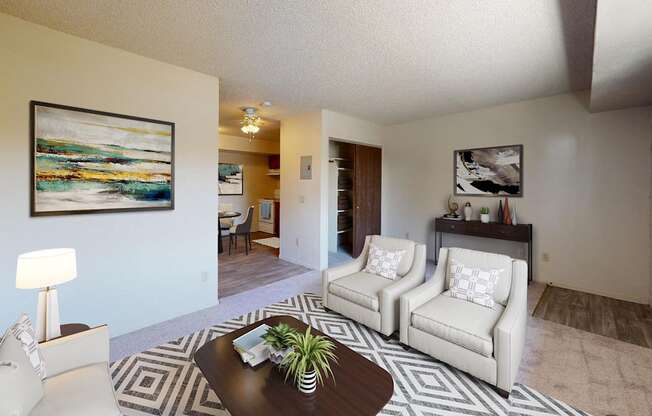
<point>622,62</point>
<point>384,61</point>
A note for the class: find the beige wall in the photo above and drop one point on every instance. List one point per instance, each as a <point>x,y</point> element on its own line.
<point>135,268</point>
<point>586,185</point>
<point>257,183</point>
<point>241,144</point>
<point>301,200</point>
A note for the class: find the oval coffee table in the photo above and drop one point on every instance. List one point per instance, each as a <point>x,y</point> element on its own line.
<point>360,387</point>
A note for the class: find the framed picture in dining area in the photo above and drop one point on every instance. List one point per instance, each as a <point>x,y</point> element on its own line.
<point>230,179</point>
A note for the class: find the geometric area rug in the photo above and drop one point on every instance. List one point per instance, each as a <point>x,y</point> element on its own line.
<point>165,380</point>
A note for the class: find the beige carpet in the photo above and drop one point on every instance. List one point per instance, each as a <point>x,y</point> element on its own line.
<point>599,375</point>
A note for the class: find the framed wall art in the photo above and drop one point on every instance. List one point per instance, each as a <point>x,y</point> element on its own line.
<point>86,161</point>
<point>489,171</point>
<point>231,179</point>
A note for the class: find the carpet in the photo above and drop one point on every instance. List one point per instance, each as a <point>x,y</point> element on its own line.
<point>273,242</point>
<point>165,381</point>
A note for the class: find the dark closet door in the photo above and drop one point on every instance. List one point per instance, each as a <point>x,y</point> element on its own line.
<point>367,175</point>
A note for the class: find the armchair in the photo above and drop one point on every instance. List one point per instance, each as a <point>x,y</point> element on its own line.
<point>78,380</point>
<point>484,342</point>
<point>369,299</point>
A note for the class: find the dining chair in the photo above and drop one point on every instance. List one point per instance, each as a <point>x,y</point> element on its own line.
<point>225,223</point>
<point>244,229</point>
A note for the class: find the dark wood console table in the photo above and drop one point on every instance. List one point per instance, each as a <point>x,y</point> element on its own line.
<point>520,232</point>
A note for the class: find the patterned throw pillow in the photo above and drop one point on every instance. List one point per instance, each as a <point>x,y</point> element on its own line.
<point>473,284</point>
<point>24,332</point>
<point>382,262</point>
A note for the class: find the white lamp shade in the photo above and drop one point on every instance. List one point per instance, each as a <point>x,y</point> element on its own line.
<point>38,269</point>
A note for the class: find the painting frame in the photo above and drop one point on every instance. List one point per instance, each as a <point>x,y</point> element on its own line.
<point>456,191</point>
<point>33,104</point>
<point>242,179</point>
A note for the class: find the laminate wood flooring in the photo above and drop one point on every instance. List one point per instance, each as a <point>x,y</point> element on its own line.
<point>625,321</point>
<point>239,272</point>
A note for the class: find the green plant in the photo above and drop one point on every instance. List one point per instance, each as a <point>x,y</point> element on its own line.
<point>278,336</point>
<point>484,210</point>
<point>310,352</point>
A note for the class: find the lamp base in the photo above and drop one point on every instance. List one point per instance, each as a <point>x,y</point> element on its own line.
<point>48,325</point>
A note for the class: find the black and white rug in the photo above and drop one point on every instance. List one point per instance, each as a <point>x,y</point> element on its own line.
<point>165,380</point>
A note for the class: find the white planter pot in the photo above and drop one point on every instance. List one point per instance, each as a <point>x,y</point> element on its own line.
<point>484,218</point>
<point>308,383</point>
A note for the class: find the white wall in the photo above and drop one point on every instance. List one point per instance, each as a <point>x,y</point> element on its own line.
<point>241,144</point>
<point>586,187</point>
<point>301,200</point>
<point>135,269</point>
<point>257,183</point>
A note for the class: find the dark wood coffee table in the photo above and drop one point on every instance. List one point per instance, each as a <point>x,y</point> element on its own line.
<point>360,386</point>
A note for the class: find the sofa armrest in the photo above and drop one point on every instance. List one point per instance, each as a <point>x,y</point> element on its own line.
<point>422,294</point>
<point>77,350</point>
<point>509,332</point>
<point>390,295</point>
<point>343,270</point>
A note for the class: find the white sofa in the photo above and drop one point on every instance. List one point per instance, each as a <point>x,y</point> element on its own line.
<point>77,380</point>
<point>484,342</point>
<point>369,299</point>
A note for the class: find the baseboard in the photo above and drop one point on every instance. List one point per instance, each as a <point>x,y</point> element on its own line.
<point>598,293</point>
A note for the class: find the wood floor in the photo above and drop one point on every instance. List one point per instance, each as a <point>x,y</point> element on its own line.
<point>625,321</point>
<point>239,272</point>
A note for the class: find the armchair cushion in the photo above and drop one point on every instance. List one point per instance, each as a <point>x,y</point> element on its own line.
<point>360,288</point>
<point>460,322</point>
<point>486,261</point>
<point>383,263</point>
<point>394,244</point>
<point>82,391</point>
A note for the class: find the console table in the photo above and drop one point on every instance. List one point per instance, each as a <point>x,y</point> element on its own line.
<point>520,232</point>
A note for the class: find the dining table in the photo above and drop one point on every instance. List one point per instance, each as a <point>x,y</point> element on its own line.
<point>223,216</point>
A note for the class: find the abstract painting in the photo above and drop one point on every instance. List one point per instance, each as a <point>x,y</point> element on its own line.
<point>86,161</point>
<point>231,180</point>
<point>491,171</point>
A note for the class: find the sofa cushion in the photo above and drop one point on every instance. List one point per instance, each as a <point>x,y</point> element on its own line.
<point>473,284</point>
<point>383,263</point>
<point>23,331</point>
<point>20,387</point>
<point>460,322</point>
<point>486,261</point>
<point>360,288</point>
<point>80,392</point>
<point>393,244</point>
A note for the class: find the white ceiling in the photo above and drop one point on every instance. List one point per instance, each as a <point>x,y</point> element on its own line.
<point>622,62</point>
<point>385,61</point>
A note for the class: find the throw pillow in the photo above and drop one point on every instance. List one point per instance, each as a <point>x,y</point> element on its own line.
<point>24,333</point>
<point>382,262</point>
<point>473,284</point>
<point>21,386</point>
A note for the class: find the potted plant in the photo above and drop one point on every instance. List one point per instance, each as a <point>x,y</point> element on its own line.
<point>309,360</point>
<point>484,214</point>
<point>278,340</point>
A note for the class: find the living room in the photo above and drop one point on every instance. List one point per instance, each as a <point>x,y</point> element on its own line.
<point>513,115</point>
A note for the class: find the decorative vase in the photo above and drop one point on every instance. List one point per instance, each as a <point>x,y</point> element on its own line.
<point>308,382</point>
<point>484,218</point>
<point>500,212</point>
<point>514,220</point>
<point>507,216</point>
<point>468,211</point>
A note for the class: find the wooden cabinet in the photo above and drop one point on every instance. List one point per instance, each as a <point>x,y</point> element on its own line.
<point>359,172</point>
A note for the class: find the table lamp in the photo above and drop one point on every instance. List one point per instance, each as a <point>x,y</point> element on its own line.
<point>42,270</point>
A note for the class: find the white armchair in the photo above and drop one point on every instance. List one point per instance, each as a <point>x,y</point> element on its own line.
<point>369,299</point>
<point>78,380</point>
<point>484,342</point>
